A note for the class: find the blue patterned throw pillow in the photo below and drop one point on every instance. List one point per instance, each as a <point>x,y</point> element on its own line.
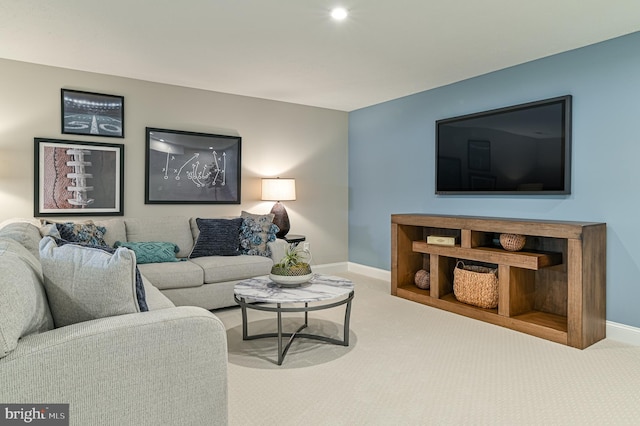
<point>152,251</point>
<point>87,233</point>
<point>256,231</point>
<point>218,237</point>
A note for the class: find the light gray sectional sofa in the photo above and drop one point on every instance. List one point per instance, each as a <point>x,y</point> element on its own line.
<point>167,365</point>
<point>204,281</point>
<point>164,366</point>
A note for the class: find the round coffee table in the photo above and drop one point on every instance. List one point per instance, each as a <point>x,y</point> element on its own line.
<point>323,289</point>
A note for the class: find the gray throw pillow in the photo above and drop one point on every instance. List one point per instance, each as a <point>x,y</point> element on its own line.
<point>85,283</point>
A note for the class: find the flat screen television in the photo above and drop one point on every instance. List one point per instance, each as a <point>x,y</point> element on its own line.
<point>521,149</point>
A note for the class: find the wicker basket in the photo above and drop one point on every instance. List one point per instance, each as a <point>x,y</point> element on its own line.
<point>512,242</point>
<point>421,279</point>
<point>476,285</point>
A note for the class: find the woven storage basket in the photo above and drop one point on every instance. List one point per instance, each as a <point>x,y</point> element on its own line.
<point>476,285</point>
<point>512,242</point>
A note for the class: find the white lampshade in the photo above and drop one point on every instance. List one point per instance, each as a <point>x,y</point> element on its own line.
<point>276,189</point>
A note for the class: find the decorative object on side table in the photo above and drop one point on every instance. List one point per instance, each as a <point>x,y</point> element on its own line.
<point>512,242</point>
<point>421,279</point>
<point>277,189</point>
<point>293,269</point>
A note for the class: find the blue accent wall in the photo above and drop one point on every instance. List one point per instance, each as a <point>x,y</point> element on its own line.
<point>391,158</point>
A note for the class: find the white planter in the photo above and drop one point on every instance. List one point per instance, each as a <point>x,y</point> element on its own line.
<point>290,280</point>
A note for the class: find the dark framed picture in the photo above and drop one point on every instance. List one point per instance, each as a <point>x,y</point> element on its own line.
<point>482,182</point>
<point>192,168</point>
<point>93,114</point>
<point>78,178</point>
<point>479,155</point>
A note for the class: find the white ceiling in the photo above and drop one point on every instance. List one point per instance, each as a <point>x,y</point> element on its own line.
<point>290,50</point>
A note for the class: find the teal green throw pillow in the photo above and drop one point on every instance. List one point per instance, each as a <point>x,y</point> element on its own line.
<point>152,252</point>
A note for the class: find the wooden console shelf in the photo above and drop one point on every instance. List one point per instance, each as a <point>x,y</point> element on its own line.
<point>555,288</point>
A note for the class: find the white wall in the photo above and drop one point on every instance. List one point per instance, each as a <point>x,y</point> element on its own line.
<point>278,139</point>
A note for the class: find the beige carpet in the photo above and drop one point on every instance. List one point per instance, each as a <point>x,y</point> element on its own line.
<point>409,364</point>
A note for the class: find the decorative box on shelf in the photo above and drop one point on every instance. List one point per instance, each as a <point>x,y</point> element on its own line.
<point>443,240</point>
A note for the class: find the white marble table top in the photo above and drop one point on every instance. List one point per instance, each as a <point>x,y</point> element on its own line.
<point>320,287</point>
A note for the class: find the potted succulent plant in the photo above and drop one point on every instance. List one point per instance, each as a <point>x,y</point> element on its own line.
<point>293,269</point>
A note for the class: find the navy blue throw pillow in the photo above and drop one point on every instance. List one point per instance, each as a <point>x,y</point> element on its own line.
<point>218,237</point>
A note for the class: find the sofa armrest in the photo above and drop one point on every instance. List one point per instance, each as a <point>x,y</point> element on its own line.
<point>160,367</point>
<point>278,249</point>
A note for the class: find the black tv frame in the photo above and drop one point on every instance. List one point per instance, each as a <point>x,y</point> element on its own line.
<point>566,160</point>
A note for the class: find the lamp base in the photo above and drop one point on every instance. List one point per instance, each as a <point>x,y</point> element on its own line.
<point>281,219</point>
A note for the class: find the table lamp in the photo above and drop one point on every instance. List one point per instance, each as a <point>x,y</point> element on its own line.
<point>276,189</point>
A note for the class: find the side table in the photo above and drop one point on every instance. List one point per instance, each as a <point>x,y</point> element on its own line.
<point>294,238</point>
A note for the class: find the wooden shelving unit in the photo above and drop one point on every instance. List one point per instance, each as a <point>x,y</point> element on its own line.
<point>555,288</point>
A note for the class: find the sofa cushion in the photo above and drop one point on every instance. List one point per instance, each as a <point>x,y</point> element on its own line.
<point>23,303</point>
<point>24,233</point>
<point>154,297</point>
<point>229,268</point>
<point>217,237</point>
<point>175,229</point>
<point>152,251</point>
<point>87,232</point>
<point>256,231</point>
<point>173,274</point>
<point>115,230</point>
<point>85,283</point>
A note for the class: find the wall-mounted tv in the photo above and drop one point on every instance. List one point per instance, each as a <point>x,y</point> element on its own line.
<point>521,149</point>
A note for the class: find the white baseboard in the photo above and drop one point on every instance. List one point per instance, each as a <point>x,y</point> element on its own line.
<point>623,333</point>
<point>330,268</point>
<point>379,274</point>
<point>615,331</point>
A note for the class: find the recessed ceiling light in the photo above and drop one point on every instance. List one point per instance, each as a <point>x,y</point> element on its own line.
<point>339,13</point>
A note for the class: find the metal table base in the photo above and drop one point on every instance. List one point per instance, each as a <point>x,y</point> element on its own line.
<point>279,310</point>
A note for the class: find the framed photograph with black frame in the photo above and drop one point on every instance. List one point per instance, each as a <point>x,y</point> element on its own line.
<point>192,168</point>
<point>78,178</point>
<point>479,155</point>
<point>93,114</point>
